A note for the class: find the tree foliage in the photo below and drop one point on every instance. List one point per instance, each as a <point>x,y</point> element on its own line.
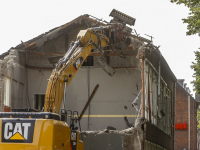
<point>196,67</point>
<point>193,20</point>
<point>198,119</point>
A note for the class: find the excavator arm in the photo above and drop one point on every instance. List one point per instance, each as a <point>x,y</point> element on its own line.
<point>68,66</point>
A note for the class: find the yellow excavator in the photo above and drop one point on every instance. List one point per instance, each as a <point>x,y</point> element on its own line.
<point>47,130</point>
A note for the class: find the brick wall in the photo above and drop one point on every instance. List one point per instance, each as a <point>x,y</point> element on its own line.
<point>181,112</point>
<point>193,124</point>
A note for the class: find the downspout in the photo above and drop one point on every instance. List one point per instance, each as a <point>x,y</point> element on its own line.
<point>141,57</point>
<point>143,97</point>
<point>149,101</point>
<point>188,122</point>
<point>158,100</point>
<point>143,91</point>
<point>173,113</point>
<point>159,80</point>
<point>88,83</point>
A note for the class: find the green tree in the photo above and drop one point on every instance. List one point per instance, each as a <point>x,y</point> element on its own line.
<point>196,67</point>
<point>198,118</point>
<point>193,20</point>
<point>193,26</point>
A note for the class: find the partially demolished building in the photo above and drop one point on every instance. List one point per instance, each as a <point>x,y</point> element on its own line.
<point>140,95</point>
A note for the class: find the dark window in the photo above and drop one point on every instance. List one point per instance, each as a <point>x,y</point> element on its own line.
<point>89,61</point>
<point>39,101</point>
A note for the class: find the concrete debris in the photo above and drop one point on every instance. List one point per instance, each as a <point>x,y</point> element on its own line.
<point>127,139</point>
<point>110,128</point>
<point>122,132</point>
<point>130,130</point>
<point>136,43</point>
<point>104,65</point>
<point>141,52</point>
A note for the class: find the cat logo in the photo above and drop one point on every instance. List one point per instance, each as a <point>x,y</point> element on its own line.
<point>78,63</point>
<point>18,131</point>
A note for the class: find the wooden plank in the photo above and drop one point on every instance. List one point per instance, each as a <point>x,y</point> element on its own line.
<point>88,102</point>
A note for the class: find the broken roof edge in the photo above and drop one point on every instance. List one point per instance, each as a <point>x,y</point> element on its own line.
<point>168,68</point>
<point>4,54</point>
<point>32,41</point>
<point>180,79</point>
<point>186,92</point>
<point>60,29</point>
<point>165,64</point>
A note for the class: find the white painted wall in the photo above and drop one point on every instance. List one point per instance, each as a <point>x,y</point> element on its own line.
<point>113,94</point>
<point>37,82</point>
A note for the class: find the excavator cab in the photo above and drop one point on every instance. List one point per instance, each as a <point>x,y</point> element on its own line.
<point>28,129</point>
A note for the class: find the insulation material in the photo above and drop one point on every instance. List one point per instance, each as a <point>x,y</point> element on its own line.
<point>10,60</point>
<point>136,101</point>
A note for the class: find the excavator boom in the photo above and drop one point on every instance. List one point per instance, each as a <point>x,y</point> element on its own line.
<point>68,66</point>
